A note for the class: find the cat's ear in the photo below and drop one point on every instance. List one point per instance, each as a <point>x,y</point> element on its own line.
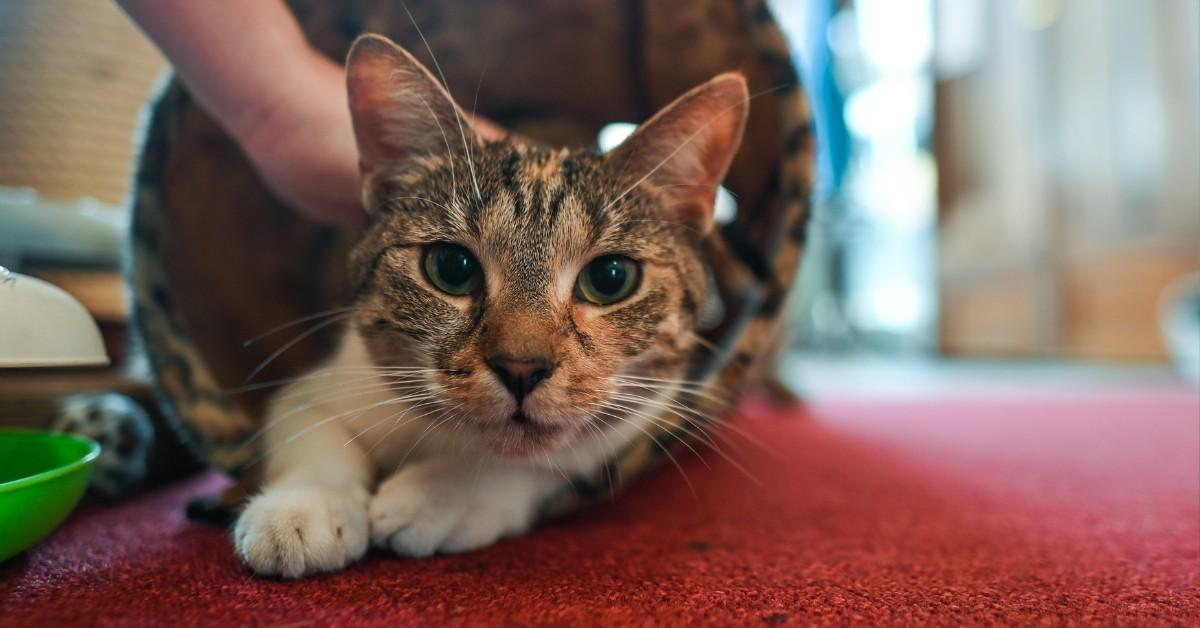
<point>686,148</point>
<point>401,112</point>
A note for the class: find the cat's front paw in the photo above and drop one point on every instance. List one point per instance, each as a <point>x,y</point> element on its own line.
<point>295,531</point>
<point>416,512</point>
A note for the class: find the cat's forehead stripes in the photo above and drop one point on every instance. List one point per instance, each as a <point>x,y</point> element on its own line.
<point>544,166</point>
<point>538,208</point>
<point>524,189</point>
<point>541,216</point>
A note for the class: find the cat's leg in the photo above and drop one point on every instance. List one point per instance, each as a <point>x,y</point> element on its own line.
<point>455,505</point>
<point>312,513</point>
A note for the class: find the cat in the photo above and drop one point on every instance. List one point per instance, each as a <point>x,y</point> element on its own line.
<point>519,311</point>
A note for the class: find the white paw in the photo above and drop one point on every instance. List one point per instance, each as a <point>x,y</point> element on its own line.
<point>416,513</point>
<point>294,531</point>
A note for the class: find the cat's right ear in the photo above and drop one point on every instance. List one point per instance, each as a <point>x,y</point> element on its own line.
<point>687,147</point>
<point>401,112</point>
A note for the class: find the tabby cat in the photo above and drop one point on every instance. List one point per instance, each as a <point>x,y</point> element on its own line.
<point>522,313</point>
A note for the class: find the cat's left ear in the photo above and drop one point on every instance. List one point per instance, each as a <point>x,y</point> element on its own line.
<point>401,112</point>
<point>687,147</point>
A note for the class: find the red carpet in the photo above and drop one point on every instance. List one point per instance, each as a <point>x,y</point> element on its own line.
<point>1083,510</point>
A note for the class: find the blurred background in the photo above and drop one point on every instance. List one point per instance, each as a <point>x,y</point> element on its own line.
<point>1006,186</point>
<point>1016,182</point>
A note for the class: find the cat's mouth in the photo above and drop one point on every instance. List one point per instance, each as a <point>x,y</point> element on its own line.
<point>520,418</point>
<point>522,435</point>
<point>533,427</point>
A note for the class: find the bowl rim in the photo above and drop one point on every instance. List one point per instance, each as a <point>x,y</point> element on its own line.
<point>93,450</point>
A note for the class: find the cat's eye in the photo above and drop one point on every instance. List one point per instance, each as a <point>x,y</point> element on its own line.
<point>452,269</point>
<point>608,279</point>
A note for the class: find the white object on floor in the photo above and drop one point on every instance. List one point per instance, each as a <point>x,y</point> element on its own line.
<point>43,326</point>
<point>84,230</point>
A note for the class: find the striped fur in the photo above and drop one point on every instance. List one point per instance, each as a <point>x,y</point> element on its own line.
<point>754,259</point>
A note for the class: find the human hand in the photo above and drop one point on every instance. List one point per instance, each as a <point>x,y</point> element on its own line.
<point>303,146</point>
<point>302,143</point>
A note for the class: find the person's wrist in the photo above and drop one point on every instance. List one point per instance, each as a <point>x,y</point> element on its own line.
<point>294,93</point>
<point>300,139</point>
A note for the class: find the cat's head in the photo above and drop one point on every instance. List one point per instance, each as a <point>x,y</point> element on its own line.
<point>544,289</point>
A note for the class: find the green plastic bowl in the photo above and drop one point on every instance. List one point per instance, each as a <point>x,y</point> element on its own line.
<point>42,477</point>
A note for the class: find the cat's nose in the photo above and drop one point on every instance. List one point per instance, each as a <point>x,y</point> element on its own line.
<point>520,376</point>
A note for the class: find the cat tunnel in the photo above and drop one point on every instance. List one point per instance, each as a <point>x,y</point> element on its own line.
<point>218,261</point>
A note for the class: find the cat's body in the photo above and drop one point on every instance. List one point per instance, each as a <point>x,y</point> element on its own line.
<point>522,313</point>
<point>520,365</point>
<point>397,483</point>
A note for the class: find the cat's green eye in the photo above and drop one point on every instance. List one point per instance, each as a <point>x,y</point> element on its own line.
<point>608,279</point>
<point>452,269</point>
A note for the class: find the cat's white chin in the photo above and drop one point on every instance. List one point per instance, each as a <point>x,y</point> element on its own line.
<point>526,437</point>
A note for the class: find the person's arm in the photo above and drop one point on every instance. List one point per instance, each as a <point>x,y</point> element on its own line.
<point>248,64</point>
<point>238,58</point>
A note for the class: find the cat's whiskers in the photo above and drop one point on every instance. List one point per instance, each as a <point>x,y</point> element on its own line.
<point>606,404</point>
<point>676,396</point>
<point>397,420</point>
<point>670,223</point>
<point>610,449</point>
<point>435,398</point>
<point>643,378</point>
<point>293,342</point>
<point>359,433</point>
<point>665,450</point>
<point>674,390</point>
<point>298,321</point>
<point>350,414</point>
<point>690,185</point>
<point>437,422</point>
<point>410,401</point>
<point>390,199</point>
<point>349,374</point>
<point>336,396</point>
<point>487,63</point>
<point>555,466</point>
<point>457,116</point>
<point>334,393</point>
<point>701,432</point>
<point>658,421</point>
<point>446,140</point>
<point>710,393</point>
<point>313,375</point>
<point>707,344</point>
<point>719,428</point>
<point>397,417</point>
<point>434,401</point>
<point>674,431</point>
<point>695,423</point>
<point>317,425</point>
<point>612,489</point>
<point>715,419</point>
<point>668,406</point>
<point>380,381</point>
<point>681,388</point>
